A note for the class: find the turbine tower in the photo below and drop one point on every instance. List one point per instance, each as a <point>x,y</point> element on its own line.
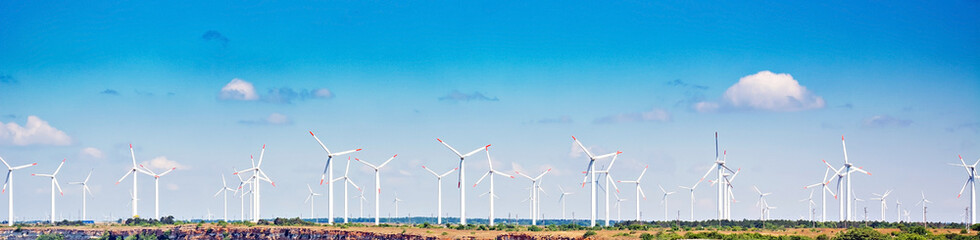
<point>823,200</point>
<point>562,200</point>
<point>10,183</point>
<point>846,171</point>
<point>309,198</point>
<point>590,172</point>
<point>156,184</point>
<point>328,172</point>
<point>84,190</point>
<point>881,197</point>
<point>439,194</point>
<point>257,176</point>
<point>462,179</point>
<point>762,204</point>
<point>923,202</point>
<point>664,200</point>
<point>719,165</point>
<point>377,186</point>
<point>225,189</point>
<point>534,194</point>
<point>347,181</point>
<point>809,204</point>
<point>609,180</point>
<point>396,204</point>
<point>133,171</point>
<point>54,183</point>
<point>490,174</point>
<point>639,190</point>
<point>971,171</point>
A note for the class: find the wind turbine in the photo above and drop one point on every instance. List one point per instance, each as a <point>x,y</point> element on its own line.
<point>156,183</point>
<point>924,201</point>
<point>54,183</point>
<point>763,205</point>
<point>809,204</point>
<point>609,180</point>
<point>719,165</point>
<point>439,187</point>
<point>490,174</point>
<point>133,171</point>
<point>84,190</point>
<point>846,171</point>
<point>309,198</point>
<point>361,199</point>
<point>224,189</point>
<point>462,179</point>
<point>257,176</point>
<point>534,194</point>
<point>377,186</point>
<point>664,200</point>
<point>590,171</point>
<point>619,209</point>
<point>639,191</point>
<point>396,204</point>
<point>10,183</point>
<point>898,209</point>
<point>347,180</point>
<point>562,200</point>
<point>241,183</point>
<point>328,172</point>
<point>971,171</point>
<point>826,180</point>
<point>881,197</point>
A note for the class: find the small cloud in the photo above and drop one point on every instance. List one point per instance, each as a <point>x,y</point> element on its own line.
<point>161,164</point>
<point>7,79</point>
<point>238,89</point>
<point>654,115</point>
<point>272,119</point>
<point>457,96</point>
<point>766,91</point>
<point>212,35</point>
<point>172,187</point>
<point>974,127</point>
<point>110,92</point>
<point>681,83</point>
<point>405,173</point>
<point>91,152</point>
<point>34,132</point>
<point>886,121</point>
<point>562,119</point>
<point>288,95</point>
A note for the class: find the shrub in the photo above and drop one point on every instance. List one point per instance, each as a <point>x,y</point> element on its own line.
<point>647,236</point>
<point>860,233</point>
<point>588,234</point>
<point>51,237</point>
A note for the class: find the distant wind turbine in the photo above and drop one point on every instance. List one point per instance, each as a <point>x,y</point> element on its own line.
<point>439,191</point>
<point>54,183</point>
<point>377,186</point>
<point>328,172</point>
<point>9,183</point>
<point>462,179</point>
<point>84,190</point>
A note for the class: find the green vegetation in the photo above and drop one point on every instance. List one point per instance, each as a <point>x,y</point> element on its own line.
<point>51,237</point>
<point>588,234</point>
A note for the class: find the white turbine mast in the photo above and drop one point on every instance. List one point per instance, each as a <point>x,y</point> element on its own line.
<point>762,204</point>
<point>664,201</point>
<point>396,205</point>
<point>809,204</point>
<point>377,186</point>
<point>721,168</point>
<point>844,173</point>
<point>609,181</point>
<point>439,191</point>
<point>561,199</point>
<point>639,190</point>
<point>971,171</point>
<point>535,200</point>
<point>10,183</point>
<point>54,183</point>
<point>224,189</point>
<point>490,173</point>
<point>922,202</point>
<point>257,176</point>
<point>882,198</point>
<point>462,178</point>
<point>133,170</point>
<point>309,199</point>
<point>590,172</point>
<point>347,181</point>
<point>328,174</point>
<point>156,187</point>
<point>85,189</point>
<point>825,189</point>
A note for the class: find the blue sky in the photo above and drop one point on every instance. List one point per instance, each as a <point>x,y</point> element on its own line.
<point>655,80</point>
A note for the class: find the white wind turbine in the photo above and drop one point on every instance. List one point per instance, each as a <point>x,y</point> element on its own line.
<point>881,197</point>
<point>639,190</point>
<point>846,171</point>
<point>664,200</point>
<point>763,205</point>
<point>729,195</point>
<point>377,186</point>
<point>84,190</point>
<point>328,172</point>
<point>490,173</point>
<point>590,171</point>
<point>361,199</point>
<point>396,204</point>
<point>825,189</point>
<point>241,183</point>
<point>462,179</point>
<point>719,165</point>
<point>257,176</point>
<point>133,171</point>
<point>971,171</point>
<point>54,183</point>
<point>924,201</point>
<point>809,204</point>
<point>619,207</point>
<point>562,200</point>
<point>347,181</point>
<point>609,180</point>
<point>439,195</point>
<point>534,194</point>
<point>224,189</point>
<point>309,198</point>
<point>898,209</point>
<point>156,184</point>
<point>10,183</point>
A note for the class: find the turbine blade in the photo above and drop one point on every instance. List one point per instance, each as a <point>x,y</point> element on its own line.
<point>430,171</point>
<point>584,149</point>
<point>450,148</point>
<point>386,162</point>
<point>321,144</point>
<point>346,152</point>
<point>124,176</point>
<point>481,178</point>
<point>642,173</point>
<point>5,162</point>
<point>473,152</point>
<point>59,167</point>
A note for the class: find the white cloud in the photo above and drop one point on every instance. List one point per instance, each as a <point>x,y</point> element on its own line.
<point>767,91</point>
<point>238,89</point>
<point>35,132</point>
<point>886,121</point>
<point>92,152</point>
<point>272,119</point>
<point>172,187</point>
<point>322,93</point>
<point>162,163</point>
<point>654,115</point>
